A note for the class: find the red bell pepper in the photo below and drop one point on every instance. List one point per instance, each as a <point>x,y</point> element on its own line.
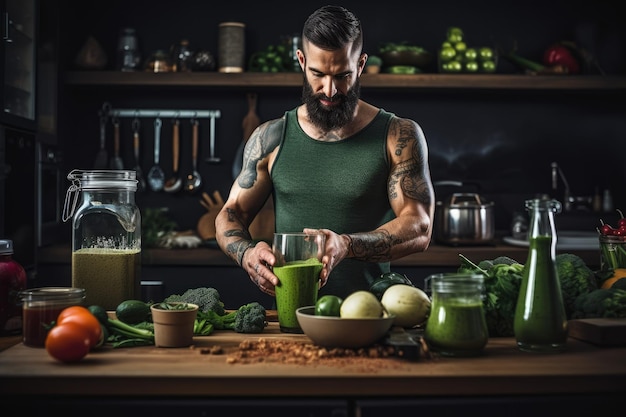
<point>560,54</point>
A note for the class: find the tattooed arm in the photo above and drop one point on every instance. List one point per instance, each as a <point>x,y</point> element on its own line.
<point>247,196</point>
<point>411,197</point>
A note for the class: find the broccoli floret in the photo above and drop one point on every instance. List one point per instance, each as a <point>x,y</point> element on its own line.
<point>249,318</point>
<point>207,299</point>
<point>601,302</point>
<point>504,260</point>
<point>575,278</point>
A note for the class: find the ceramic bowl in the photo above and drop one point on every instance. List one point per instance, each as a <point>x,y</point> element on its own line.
<point>407,58</point>
<point>341,332</point>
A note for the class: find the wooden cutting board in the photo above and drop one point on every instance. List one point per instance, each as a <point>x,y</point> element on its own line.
<point>599,331</point>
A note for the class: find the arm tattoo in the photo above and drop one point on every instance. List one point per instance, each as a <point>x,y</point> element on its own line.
<point>408,174</point>
<point>237,248</point>
<point>262,142</point>
<point>373,246</point>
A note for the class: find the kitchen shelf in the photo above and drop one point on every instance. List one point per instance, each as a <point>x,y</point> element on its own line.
<point>391,82</point>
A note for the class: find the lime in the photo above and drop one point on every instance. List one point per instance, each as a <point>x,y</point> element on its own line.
<point>471,66</point>
<point>328,305</point>
<point>488,66</point>
<point>471,54</point>
<point>447,53</point>
<point>485,53</point>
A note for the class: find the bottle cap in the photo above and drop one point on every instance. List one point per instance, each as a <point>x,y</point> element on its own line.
<point>6,247</point>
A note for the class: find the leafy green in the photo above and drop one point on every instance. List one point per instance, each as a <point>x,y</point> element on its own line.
<point>575,278</point>
<point>206,298</point>
<point>601,302</point>
<point>503,277</point>
<point>249,318</point>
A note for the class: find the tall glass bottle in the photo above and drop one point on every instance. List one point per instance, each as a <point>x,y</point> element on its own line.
<point>106,235</point>
<point>540,323</point>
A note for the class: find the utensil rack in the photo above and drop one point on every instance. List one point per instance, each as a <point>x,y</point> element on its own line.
<point>165,113</point>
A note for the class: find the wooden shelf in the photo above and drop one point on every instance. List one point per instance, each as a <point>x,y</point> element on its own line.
<point>588,83</point>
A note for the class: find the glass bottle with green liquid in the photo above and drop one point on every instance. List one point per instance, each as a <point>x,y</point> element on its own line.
<point>540,323</point>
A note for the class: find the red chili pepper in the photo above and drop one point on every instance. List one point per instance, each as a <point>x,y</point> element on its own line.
<point>559,54</point>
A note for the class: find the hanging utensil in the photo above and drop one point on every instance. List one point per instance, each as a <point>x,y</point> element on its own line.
<point>194,180</point>
<point>156,177</point>
<point>116,161</point>
<point>141,183</point>
<point>102,158</point>
<point>174,184</point>
<point>212,159</point>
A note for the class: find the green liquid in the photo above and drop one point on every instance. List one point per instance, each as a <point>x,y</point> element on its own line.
<point>540,321</point>
<point>299,282</point>
<point>455,328</point>
<point>109,276</point>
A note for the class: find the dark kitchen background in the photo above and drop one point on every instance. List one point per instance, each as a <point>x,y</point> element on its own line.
<point>499,142</point>
<point>504,141</point>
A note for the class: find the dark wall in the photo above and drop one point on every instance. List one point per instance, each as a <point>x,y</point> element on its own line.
<point>502,141</point>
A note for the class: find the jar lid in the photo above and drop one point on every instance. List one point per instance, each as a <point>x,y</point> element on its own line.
<point>56,294</point>
<point>6,247</point>
<point>455,282</point>
<point>104,179</point>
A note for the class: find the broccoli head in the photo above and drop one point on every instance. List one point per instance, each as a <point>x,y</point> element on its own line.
<point>249,318</point>
<point>575,278</point>
<point>601,302</point>
<point>207,299</point>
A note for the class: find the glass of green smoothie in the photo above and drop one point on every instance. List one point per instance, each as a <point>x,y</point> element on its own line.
<point>298,266</point>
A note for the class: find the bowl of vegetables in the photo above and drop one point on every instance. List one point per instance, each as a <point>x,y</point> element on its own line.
<point>403,55</point>
<point>340,332</point>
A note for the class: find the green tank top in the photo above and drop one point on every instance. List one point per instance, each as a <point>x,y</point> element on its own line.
<point>340,186</point>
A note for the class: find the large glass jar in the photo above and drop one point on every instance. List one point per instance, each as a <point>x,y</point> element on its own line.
<point>456,325</point>
<point>540,323</point>
<point>106,235</point>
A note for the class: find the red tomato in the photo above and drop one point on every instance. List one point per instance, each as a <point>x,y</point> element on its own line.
<point>83,317</point>
<point>69,342</point>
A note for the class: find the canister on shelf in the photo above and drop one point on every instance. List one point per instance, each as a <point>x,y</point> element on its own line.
<point>231,47</point>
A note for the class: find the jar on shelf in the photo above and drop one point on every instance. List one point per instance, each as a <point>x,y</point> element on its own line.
<point>106,235</point>
<point>182,57</point>
<point>128,54</point>
<point>12,281</point>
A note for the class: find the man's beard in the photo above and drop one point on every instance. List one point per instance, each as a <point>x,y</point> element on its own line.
<point>336,116</point>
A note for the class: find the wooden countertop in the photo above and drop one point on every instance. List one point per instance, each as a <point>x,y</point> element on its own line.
<point>160,372</point>
<point>437,255</point>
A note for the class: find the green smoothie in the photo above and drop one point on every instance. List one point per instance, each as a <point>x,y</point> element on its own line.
<point>299,282</point>
<point>456,328</point>
<point>540,321</point>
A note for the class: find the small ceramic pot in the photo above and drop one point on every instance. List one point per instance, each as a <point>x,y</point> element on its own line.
<point>173,327</point>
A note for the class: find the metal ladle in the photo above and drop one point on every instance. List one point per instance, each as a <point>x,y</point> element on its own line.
<point>212,159</point>
<point>194,181</point>
<point>156,177</point>
<point>174,184</point>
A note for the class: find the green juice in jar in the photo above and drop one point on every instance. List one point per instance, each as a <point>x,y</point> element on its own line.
<point>299,283</point>
<point>456,328</point>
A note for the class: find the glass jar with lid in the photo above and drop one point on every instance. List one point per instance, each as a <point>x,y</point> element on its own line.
<point>456,325</point>
<point>106,235</point>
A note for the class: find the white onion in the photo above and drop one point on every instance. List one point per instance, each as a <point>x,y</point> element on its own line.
<point>361,305</point>
<point>409,304</point>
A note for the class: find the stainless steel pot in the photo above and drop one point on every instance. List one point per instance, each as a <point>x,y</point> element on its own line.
<point>464,219</point>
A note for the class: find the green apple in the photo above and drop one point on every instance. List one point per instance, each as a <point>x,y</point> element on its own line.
<point>471,66</point>
<point>488,66</point>
<point>485,53</point>
<point>471,54</point>
<point>454,34</point>
<point>447,53</point>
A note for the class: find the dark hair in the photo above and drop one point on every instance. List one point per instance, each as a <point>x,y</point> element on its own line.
<point>333,27</point>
